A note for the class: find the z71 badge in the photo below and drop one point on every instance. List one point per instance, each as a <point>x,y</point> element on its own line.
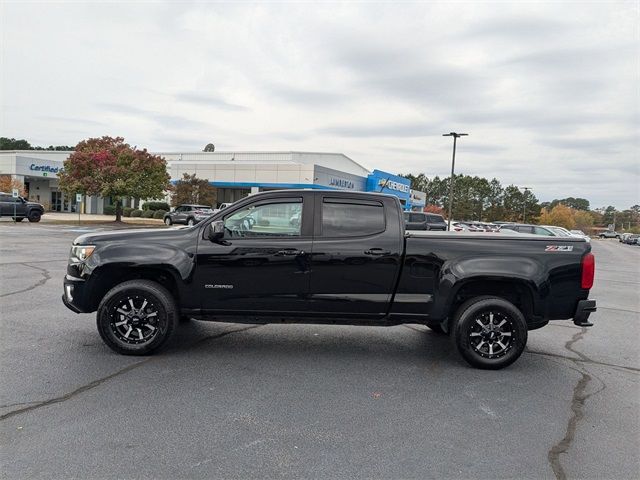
<point>559,248</point>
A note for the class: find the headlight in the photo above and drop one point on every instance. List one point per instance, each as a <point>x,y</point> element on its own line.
<point>79,253</point>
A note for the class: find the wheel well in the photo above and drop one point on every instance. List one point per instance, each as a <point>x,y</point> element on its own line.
<point>108,277</point>
<point>516,292</point>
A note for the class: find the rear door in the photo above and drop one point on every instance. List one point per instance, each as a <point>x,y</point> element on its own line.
<point>357,248</point>
<point>417,221</point>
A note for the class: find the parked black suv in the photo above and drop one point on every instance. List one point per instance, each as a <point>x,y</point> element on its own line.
<point>424,221</point>
<point>19,207</point>
<point>188,214</point>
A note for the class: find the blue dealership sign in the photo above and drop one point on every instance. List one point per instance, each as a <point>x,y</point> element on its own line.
<point>384,182</point>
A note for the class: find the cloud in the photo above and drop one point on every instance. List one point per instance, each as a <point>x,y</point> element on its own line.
<point>204,100</point>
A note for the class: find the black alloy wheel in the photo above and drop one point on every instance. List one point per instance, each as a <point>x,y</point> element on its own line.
<point>137,317</point>
<point>490,332</point>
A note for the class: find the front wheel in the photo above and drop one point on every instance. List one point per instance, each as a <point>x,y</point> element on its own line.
<point>34,216</point>
<point>167,221</point>
<point>489,332</point>
<point>137,317</point>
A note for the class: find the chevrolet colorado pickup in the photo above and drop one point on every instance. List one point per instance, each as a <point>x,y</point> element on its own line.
<point>346,260</point>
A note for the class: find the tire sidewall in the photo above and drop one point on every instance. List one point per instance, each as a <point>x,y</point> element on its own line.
<point>464,320</point>
<point>154,292</point>
<point>167,221</point>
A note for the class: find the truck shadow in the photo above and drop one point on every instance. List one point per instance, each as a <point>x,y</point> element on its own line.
<point>413,344</point>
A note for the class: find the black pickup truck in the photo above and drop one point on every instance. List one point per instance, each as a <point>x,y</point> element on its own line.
<point>329,257</point>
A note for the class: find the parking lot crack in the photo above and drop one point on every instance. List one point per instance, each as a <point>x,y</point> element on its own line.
<point>100,381</point>
<point>578,400</point>
<point>46,276</point>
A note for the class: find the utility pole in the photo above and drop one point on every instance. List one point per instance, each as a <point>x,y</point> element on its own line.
<point>524,204</point>
<point>453,165</point>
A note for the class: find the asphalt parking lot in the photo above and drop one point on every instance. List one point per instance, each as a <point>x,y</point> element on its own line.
<point>302,401</point>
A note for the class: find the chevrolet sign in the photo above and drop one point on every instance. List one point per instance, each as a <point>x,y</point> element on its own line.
<point>391,185</point>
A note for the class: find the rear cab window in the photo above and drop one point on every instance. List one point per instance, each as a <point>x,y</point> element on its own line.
<point>343,217</point>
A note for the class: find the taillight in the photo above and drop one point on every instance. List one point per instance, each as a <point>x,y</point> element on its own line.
<point>588,271</point>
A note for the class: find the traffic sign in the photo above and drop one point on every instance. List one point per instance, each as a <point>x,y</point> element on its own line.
<point>15,193</point>
<point>78,197</point>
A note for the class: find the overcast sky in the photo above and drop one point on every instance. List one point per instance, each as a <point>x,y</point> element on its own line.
<point>548,91</point>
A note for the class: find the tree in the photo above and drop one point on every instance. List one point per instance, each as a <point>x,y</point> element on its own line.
<point>210,147</point>
<point>13,144</point>
<point>7,184</point>
<point>194,190</point>
<point>584,220</point>
<point>560,215</point>
<point>109,167</point>
<point>434,209</point>
<point>571,202</point>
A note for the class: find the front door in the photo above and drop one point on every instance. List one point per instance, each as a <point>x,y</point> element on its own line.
<point>262,266</point>
<point>356,256</point>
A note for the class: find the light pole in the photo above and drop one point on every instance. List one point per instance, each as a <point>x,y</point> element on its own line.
<point>453,165</point>
<point>524,204</point>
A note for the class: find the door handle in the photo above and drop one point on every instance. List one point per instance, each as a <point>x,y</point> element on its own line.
<point>377,251</point>
<point>289,252</point>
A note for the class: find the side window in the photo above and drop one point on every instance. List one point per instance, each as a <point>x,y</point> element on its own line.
<point>351,219</point>
<point>434,219</point>
<point>5,198</point>
<point>280,218</point>
<point>416,217</point>
<point>543,231</point>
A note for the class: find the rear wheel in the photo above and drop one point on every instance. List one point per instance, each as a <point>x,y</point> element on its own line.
<point>489,332</point>
<point>34,216</point>
<point>137,317</point>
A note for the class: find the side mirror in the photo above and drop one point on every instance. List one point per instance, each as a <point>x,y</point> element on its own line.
<point>216,231</point>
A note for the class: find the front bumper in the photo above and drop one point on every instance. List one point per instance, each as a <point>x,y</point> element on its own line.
<point>74,294</point>
<point>583,310</point>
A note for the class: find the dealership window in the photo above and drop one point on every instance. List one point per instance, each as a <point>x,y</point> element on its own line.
<point>274,219</point>
<point>351,219</point>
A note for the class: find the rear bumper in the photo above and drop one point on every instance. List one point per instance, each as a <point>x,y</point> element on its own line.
<point>583,310</point>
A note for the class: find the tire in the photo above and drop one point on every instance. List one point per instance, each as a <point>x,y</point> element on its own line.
<point>167,221</point>
<point>34,216</point>
<point>139,334</point>
<point>191,222</point>
<point>19,219</point>
<point>476,344</point>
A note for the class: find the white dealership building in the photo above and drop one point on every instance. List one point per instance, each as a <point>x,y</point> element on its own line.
<point>234,174</point>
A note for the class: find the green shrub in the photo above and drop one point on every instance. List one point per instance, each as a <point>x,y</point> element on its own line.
<point>156,206</point>
<point>109,210</point>
<point>136,213</point>
<point>159,213</point>
<point>126,211</point>
<point>147,214</point>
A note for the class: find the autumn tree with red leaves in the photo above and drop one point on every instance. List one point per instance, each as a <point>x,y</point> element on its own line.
<point>108,167</point>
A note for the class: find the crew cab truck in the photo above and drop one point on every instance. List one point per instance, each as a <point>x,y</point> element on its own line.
<point>348,260</point>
